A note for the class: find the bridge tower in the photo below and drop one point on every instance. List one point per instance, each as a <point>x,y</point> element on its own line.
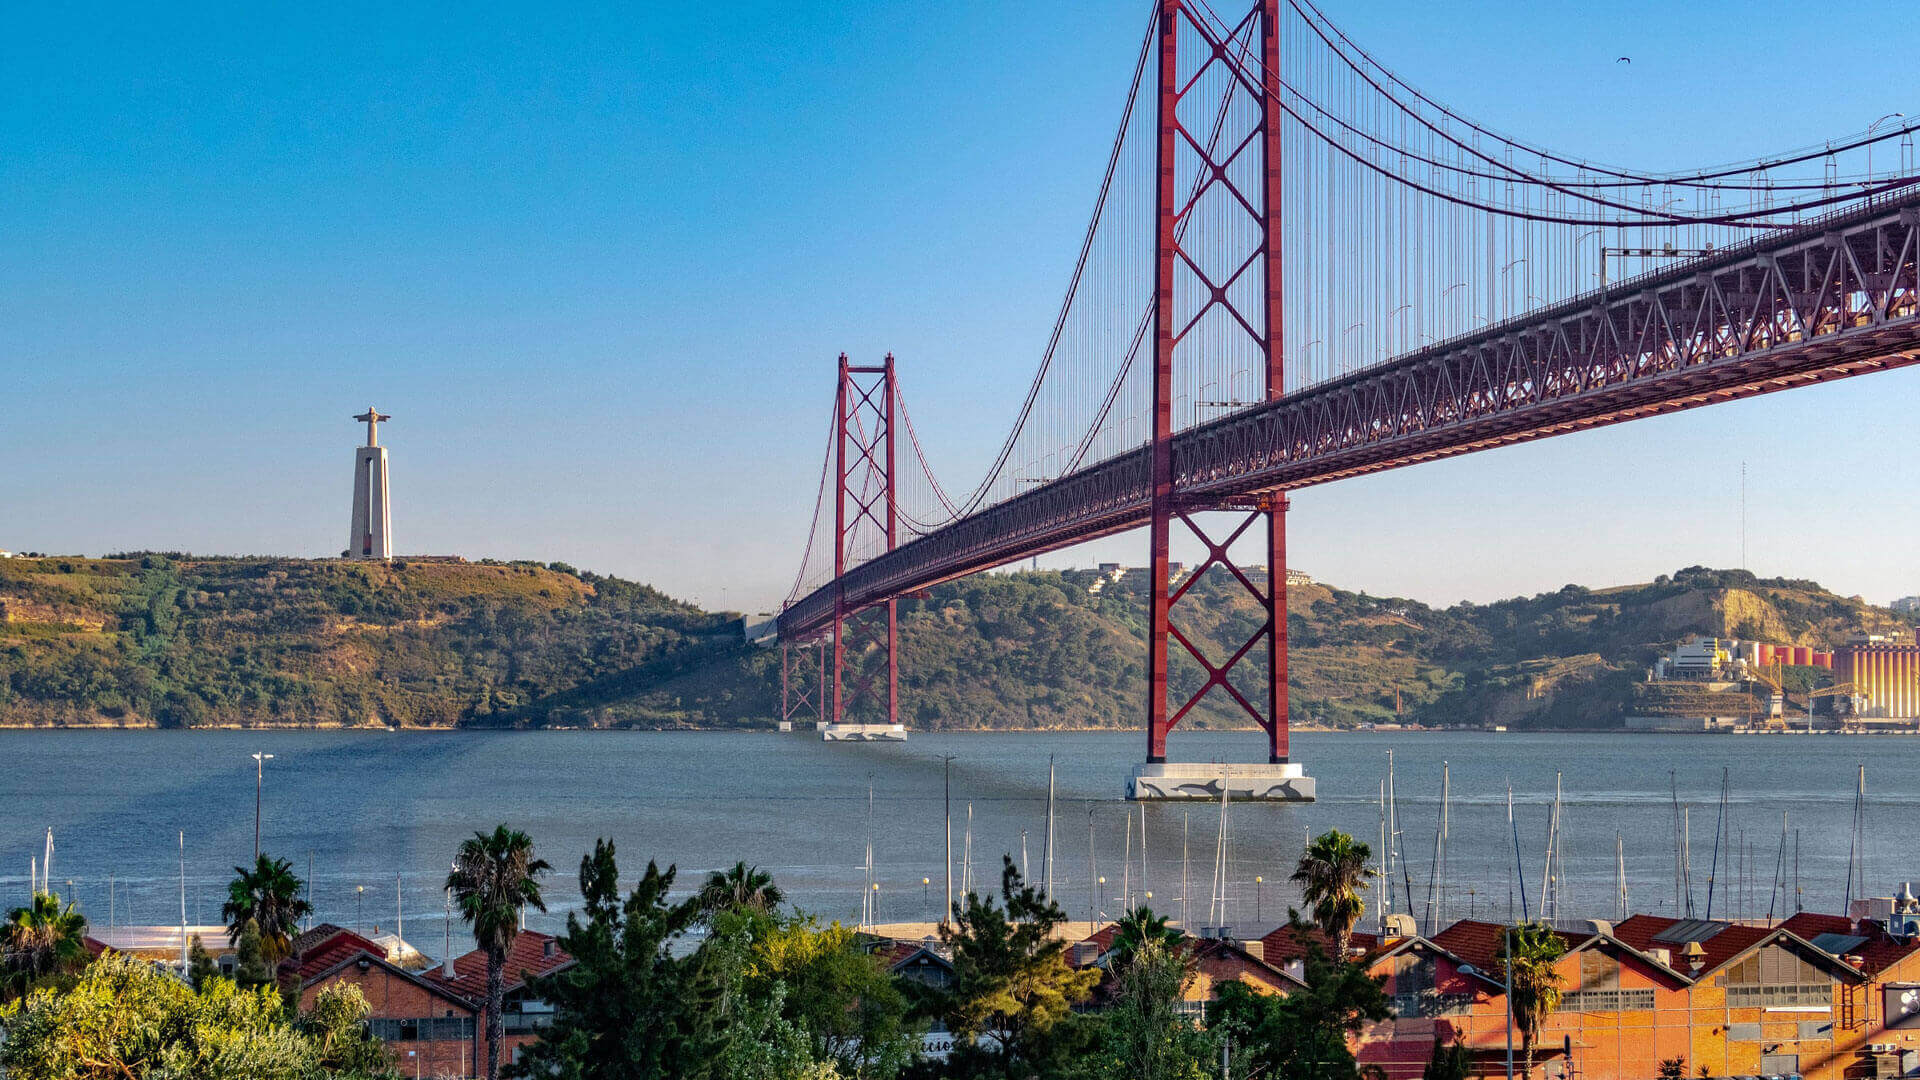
<point>803,680</point>
<point>1203,300</point>
<point>865,524</point>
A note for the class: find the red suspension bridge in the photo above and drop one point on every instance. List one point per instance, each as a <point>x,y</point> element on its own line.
<point>1301,268</point>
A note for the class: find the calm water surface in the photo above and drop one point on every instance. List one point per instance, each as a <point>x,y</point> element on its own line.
<point>365,807</point>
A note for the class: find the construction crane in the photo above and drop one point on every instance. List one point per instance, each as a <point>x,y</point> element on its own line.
<point>1776,709</point>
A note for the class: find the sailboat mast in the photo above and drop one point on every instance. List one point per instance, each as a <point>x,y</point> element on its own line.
<point>1620,874</point>
<point>1186,890</point>
<point>1217,903</point>
<point>1446,833</point>
<point>1686,855</point>
<point>1393,836</point>
<point>1046,854</point>
<point>1519,869</point>
<point>1093,893</point>
<point>866,894</point>
<point>1719,827</point>
<point>183,900</point>
<point>1386,894</point>
<point>1856,856</point>
<point>1143,850</point>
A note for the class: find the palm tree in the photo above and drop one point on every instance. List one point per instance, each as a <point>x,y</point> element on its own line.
<point>1532,951</point>
<point>743,888</point>
<point>1332,874</point>
<point>1140,926</point>
<point>494,878</point>
<point>270,896</point>
<point>41,939</point>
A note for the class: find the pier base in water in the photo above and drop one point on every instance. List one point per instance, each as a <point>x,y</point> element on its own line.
<point>863,732</point>
<point>1175,781</point>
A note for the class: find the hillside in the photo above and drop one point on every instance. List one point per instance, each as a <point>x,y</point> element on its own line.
<point>176,641</point>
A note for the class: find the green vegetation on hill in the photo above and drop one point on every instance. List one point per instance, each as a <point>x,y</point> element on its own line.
<point>183,642</point>
<point>178,641</point>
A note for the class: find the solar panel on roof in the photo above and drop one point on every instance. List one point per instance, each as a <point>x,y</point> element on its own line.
<point>1837,944</point>
<point>1689,930</point>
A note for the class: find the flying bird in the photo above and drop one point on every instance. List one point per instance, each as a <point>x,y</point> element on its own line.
<point>1624,60</point>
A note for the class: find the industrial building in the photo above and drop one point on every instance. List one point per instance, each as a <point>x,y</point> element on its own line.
<point>1717,659</point>
<point>1887,674</point>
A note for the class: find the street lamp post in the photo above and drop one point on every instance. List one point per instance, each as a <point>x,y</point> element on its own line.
<point>259,783</point>
<point>1870,127</point>
<point>1259,897</point>
<point>359,891</point>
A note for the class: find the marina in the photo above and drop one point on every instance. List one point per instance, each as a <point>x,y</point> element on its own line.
<point>361,808</point>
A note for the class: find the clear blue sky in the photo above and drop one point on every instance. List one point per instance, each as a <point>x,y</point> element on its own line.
<point>598,265</point>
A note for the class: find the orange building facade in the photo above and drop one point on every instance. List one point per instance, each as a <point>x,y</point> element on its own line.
<point>1818,997</point>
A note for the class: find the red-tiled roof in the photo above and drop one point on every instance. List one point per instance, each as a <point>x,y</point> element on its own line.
<point>1478,943</point>
<point>1878,953</point>
<point>533,953</point>
<point>1730,941</point>
<point>1223,959</point>
<point>310,939</point>
<point>1285,945</point>
<point>326,953</point>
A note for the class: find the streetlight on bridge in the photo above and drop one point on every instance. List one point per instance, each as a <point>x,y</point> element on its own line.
<point>1870,127</point>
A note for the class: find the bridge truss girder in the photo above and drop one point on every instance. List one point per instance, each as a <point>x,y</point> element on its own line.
<point>1838,298</point>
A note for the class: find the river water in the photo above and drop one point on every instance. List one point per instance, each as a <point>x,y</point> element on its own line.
<point>363,808</point>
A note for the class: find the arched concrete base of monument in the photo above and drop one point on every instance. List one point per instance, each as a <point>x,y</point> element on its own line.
<point>1182,781</point>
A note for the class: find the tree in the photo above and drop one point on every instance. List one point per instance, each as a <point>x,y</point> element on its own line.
<point>1012,981</point>
<point>1140,926</point>
<point>628,1008</point>
<point>200,964</point>
<point>337,1028</point>
<point>838,995</point>
<point>1672,1068</point>
<point>252,970</point>
<point>494,878</point>
<point>269,896</point>
<point>40,940</point>
<point>1146,1035</point>
<point>1303,1035</point>
<point>1450,1061</point>
<point>741,888</point>
<point>1532,952</point>
<point>1332,874</point>
<point>125,1018</point>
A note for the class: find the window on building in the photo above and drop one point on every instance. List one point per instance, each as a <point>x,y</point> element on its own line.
<point>1606,1001</point>
<point>1775,977</point>
<point>1416,993</point>
<point>526,1017</point>
<point>422,1029</point>
<point>1598,971</point>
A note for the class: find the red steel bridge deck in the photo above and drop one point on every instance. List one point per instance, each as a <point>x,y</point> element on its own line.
<point>1274,188</point>
<point>1835,298</point>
